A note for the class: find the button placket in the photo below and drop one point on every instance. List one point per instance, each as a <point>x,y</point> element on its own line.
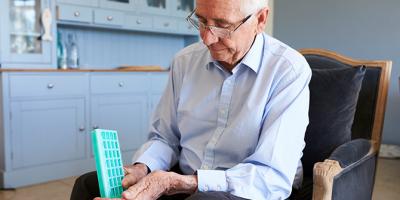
<point>223,112</point>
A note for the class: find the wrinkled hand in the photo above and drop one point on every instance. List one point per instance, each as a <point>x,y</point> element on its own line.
<point>155,184</point>
<point>151,187</point>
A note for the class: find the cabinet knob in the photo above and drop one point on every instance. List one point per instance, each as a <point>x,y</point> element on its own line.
<point>77,13</point>
<point>50,86</point>
<point>82,128</point>
<point>166,24</point>
<point>95,126</point>
<point>138,22</point>
<point>121,84</point>
<point>110,18</point>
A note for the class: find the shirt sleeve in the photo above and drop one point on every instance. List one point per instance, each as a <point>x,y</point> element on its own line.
<point>161,150</point>
<point>269,172</point>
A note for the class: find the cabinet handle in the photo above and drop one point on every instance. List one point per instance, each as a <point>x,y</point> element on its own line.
<point>50,86</point>
<point>166,24</point>
<point>138,22</point>
<point>82,128</point>
<point>77,13</point>
<point>121,84</point>
<point>95,126</point>
<point>110,18</point>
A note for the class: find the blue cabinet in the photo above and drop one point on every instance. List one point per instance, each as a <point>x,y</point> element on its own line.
<point>159,16</point>
<point>109,17</point>
<point>119,101</point>
<point>43,136</point>
<point>27,35</point>
<point>47,119</point>
<point>47,131</point>
<point>73,13</point>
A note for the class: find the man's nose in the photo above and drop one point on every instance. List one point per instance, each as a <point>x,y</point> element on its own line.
<point>208,37</point>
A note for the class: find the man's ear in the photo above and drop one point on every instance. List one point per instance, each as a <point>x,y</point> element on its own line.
<point>262,17</point>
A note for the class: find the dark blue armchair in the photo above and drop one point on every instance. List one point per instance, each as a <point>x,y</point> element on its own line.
<point>347,106</point>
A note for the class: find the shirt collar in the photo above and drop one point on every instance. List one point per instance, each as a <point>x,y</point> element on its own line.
<point>252,59</point>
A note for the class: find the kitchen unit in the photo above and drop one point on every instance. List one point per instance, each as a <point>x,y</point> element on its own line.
<point>47,113</point>
<point>48,116</point>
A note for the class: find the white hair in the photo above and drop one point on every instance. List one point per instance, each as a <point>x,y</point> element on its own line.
<point>251,6</point>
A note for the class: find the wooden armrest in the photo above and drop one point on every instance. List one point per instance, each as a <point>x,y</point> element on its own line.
<point>324,172</point>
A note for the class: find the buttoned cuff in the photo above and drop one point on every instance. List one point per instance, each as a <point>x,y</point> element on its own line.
<point>211,180</point>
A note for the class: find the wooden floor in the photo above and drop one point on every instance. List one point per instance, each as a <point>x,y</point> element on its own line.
<point>387,186</point>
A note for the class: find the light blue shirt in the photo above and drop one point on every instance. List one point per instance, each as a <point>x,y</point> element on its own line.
<point>242,131</point>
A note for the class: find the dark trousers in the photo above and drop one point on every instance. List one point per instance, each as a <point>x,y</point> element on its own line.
<point>86,187</point>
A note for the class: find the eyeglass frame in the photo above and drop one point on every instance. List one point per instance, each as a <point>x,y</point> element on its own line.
<point>211,27</point>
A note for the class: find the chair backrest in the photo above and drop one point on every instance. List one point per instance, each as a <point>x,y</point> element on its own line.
<point>371,104</point>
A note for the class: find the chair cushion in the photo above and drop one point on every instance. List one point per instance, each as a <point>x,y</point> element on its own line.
<point>333,101</point>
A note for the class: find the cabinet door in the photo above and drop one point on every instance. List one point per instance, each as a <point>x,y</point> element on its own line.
<point>125,113</point>
<point>23,38</point>
<point>47,131</point>
<point>127,5</point>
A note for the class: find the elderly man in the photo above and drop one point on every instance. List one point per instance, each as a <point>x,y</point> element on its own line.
<point>232,118</point>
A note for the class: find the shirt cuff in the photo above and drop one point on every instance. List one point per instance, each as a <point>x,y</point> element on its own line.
<point>211,180</point>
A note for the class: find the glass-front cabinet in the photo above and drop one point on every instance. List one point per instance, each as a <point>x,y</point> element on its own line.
<point>128,5</point>
<point>182,8</point>
<point>162,7</point>
<point>27,33</point>
<point>80,2</point>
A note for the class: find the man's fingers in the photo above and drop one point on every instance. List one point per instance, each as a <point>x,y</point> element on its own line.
<point>128,170</point>
<point>128,195</point>
<point>129,180</point>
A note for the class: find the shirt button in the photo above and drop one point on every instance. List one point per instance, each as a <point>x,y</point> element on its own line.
<point>218,187</point>
<point>206,188</point>
<point>206,167</point>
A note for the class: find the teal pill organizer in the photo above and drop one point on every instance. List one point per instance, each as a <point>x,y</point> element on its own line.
<point>108,162</point>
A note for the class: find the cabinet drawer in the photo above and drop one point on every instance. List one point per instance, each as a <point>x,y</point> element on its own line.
<point>74,13</point>
<point>165,24</point>
<point>47,85</point>
<point>118,83</point>
<point>138,21</point>
<point>108,17</point>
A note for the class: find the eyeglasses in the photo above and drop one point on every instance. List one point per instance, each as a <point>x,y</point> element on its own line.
<point>221,32</point>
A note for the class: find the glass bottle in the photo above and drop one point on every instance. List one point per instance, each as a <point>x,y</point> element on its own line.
<point>73,54</point>
<point>61,52</point>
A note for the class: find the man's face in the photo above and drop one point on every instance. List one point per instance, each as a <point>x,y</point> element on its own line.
<point>226,14</point>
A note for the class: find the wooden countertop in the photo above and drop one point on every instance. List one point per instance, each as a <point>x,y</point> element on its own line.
<point>120,69</point>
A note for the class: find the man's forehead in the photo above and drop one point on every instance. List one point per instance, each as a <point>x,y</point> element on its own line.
<point>218,10</point>
<point>228,5</point>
